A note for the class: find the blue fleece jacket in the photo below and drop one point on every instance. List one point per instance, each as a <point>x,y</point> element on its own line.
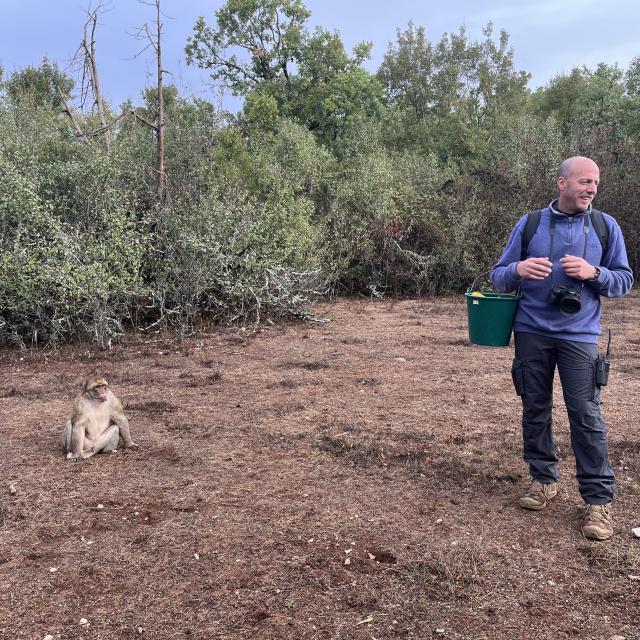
<point>535,313</point>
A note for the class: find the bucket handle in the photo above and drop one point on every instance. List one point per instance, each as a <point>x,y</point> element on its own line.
<point>473,284</point>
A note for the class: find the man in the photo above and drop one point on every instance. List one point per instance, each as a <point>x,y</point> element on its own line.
<point>552,329</point>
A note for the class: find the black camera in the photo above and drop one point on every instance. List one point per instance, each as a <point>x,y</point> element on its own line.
<point>567,298</point>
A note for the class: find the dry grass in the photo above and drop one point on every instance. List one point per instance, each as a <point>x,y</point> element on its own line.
<point>347,481</point>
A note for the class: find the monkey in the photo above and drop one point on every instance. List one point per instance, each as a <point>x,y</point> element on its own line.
<point>97,423</point>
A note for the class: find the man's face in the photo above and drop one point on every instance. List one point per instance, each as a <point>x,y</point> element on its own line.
<point>580,187</point>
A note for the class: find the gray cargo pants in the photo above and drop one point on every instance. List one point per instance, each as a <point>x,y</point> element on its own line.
<point>533,371</point>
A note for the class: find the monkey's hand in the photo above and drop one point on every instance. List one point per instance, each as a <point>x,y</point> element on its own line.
<point>73,458</point>
<point>134,446</point>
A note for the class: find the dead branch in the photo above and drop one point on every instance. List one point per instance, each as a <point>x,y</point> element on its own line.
<point>76,125</point>
<point>91,66</point>
<point>144,120</point>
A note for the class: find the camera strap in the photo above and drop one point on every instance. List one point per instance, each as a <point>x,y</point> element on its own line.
<point>585,228</point>
<point>533,221</point>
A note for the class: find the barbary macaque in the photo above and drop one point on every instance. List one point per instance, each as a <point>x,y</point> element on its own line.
<point>97,423</point>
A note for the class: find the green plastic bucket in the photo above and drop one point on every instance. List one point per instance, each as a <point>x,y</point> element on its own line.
<point>491,318</point>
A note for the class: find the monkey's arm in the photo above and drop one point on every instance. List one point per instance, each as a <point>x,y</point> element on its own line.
<point>120,419</point>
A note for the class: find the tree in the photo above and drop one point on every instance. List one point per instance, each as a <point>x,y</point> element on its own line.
<point>91,83</point>
<point>158,123</point>
<point>407,71</point>
<point>284,69</point>
<point>43,86</point>
<point>268,34</point>
<point>90,68</point>
<point>330,89</point>
<point>561,96</point>
<point>456,86</point>
<point>592,97</point>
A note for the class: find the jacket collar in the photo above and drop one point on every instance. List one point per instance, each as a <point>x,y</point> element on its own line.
<point>554,204</point>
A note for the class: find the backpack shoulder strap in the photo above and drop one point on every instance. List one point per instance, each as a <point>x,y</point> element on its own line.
<point>530,227</point>
<point>601,229</point>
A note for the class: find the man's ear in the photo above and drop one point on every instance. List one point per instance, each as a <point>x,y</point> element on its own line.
<point>562,183</point>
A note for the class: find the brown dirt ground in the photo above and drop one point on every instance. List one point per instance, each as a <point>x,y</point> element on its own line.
<point>354,479</point>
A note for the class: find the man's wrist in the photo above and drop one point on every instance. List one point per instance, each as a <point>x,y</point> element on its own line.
<point>596,275</point>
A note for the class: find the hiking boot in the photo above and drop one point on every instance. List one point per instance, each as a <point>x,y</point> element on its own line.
<point>538,494</point>
<point>597,523</point>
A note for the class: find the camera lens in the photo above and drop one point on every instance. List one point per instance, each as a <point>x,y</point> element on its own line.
<point>570,303</point>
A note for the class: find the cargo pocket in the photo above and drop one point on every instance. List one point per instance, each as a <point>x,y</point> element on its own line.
<point>517,374</point>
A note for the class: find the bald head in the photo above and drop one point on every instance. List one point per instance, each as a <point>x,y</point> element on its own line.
<point>575,163</point>
<point>578,180</point>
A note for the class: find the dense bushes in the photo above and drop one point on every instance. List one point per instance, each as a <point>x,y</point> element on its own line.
<point>70,253</point>
<point>84,250</point>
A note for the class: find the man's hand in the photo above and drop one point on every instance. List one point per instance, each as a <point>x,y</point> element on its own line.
<point>534,268</point>
<point>577,268</point>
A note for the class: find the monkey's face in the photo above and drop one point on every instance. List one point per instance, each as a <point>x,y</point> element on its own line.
<point>98,389</point>
<point>100,392</point>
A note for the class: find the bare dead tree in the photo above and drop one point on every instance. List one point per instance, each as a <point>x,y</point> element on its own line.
<point>86,56</point>
<point>91,78</point>
<point>85,59</point>
<point>155,42</point>
<point>162,177</point>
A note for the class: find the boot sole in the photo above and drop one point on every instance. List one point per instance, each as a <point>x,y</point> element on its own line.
<point>536,506</point>
<point>596,534</point>
<point>532,506</point>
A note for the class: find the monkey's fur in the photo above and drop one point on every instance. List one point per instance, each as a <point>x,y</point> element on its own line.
<point>97,423</point>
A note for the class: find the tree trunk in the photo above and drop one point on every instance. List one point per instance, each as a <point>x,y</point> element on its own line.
<point>92,66</point>
<point>162,176</point>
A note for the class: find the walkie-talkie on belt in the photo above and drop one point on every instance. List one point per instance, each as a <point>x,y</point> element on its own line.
<point>602,365</point>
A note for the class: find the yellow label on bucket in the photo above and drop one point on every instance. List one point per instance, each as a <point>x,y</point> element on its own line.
<point>477,294</point>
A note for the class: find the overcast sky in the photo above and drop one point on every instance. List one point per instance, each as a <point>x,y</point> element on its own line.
<point>548,36</point>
